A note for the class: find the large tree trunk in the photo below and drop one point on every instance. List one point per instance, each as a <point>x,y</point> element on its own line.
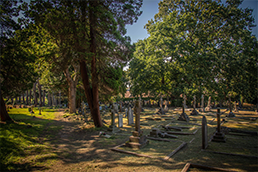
<point>30,98</point>
<point>72,97</point>
<point>60,99</point>
<point>35,95</point>
<point>23,101</point>
<point>39,87</point>
<point>230,107</point>
<point>53,99</point>
<point>3,113</point>
<point>27,97</point>
<point>43,99</point>
<point>72,82</point>
<point>49,98</point>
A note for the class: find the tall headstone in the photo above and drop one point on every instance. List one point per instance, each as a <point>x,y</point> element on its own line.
<point>160,110</point>
<point>204,133</point>
<point>185,101</point>
<point>166,106</point>
<point>183,116</point>
<point>137,140</point>
<point>120,121</point>
<point>235,107</point>
<point>218,136</point>
<point>208,107</point>
<point>130,116</point>
<point>202,105</point>
<point>194,112</point>
<point>113,126</point>
<point>230,114</point>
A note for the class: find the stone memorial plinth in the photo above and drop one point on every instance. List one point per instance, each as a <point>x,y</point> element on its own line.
<point>183,116</point>
<point>157,133</point>
<point>208,107</point>
<point>194,112</point>
<point>137,140</point>
<point>113,126</point>
<point>218,136</point>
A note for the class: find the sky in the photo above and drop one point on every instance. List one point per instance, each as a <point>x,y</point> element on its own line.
<point>150,8</point>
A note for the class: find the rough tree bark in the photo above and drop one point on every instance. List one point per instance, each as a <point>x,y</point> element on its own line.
<point>43,100</point>
<point>3,113</point>
<point>27,97</point>
<point>35,95</point>
<point>39,88</point>
<point>72,82</point>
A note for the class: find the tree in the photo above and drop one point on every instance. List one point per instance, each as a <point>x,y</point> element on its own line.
<point>203,42</point>
<point>17,71</point>
<point>94,30</point>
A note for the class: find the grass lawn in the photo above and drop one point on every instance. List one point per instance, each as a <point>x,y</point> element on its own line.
<point>58,141</point>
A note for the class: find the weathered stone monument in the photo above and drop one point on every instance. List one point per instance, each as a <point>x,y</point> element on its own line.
<point>113,126</point>
<point>130,116</point>
<point>204,133</point>
<point>235,107</point>
<point>137,140</point>
<point>202,105</point>
<point>185,101</point>
<point>155,132</point>
<point>166,106</point>
<point>120,120</point>
<point>184,116</point>
<point>208,107</point>
<point>194,112</point>
<point>218,136</point>
<point>230,114</point>
<point>160,111</point>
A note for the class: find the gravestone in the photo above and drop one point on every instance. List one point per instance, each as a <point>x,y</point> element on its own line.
<point>137,140</point>
<point>204,133</point>
<point>166,107</point>
<point>157,133</point>
<point>235,107</point>
<point>130,116</point>
<point>120,121</point>
<point>208,107</point>
<point>231,114</point>
<point>218,136</point>
<point>126,112</point>
<point>113,126</point>
<point>160,110</point>
<point>202,105</point>
<point>185,101</point>
<point>194,112</point>
<point>184,116</point>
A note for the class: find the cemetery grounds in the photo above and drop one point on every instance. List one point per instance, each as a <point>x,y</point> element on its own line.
<point>58,141</point>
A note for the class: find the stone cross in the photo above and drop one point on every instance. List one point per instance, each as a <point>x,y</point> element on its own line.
<point>218,136</point>
<point>204,133</point>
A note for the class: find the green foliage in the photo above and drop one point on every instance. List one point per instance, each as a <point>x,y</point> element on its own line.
<point>196,47</point>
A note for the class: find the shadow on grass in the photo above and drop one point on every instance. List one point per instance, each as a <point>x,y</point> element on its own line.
<point>63,141</point>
